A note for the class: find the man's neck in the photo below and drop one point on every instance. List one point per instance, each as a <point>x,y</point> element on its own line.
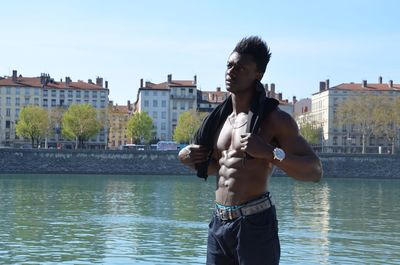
<point>241,102</point>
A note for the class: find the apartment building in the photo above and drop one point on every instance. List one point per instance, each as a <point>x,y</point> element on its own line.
<point>324,107</point>
<point>164,102</point>
<point>209,100</point>
<point>18,91</point>
<point>118,116</point>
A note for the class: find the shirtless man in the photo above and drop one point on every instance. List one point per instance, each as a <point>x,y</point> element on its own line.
<point>244,228</point>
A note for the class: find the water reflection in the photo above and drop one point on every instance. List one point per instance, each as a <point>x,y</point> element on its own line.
<point>163,220</point>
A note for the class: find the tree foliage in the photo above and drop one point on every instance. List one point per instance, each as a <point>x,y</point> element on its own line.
<point>370,115</point>
<point>33,123</point>
<point>188,123</point>
<point>80,122</point>
<point>140,127</point>
<point>311,132</point>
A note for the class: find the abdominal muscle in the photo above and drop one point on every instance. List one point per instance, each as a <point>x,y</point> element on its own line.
<point>240,180</point>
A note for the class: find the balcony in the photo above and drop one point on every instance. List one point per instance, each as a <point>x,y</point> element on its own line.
<point>187,96</point>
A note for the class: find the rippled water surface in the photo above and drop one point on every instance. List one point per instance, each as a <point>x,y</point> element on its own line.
<point>72,219</point>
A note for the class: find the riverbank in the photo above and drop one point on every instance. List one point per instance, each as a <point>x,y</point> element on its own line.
<point>16,161</point>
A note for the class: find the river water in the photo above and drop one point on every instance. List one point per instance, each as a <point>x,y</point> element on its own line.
<point>89,219</point>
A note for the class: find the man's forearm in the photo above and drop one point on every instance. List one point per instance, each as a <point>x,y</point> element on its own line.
<point>307,168</point>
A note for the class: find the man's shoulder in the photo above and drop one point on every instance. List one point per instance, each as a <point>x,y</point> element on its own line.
<point>280,120</point>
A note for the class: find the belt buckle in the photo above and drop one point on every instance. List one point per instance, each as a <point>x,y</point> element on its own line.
<point>230,214</point>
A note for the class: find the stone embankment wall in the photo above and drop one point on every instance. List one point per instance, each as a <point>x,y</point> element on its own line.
<point>166,163</point>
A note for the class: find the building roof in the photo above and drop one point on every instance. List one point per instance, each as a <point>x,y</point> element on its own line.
<point>214,96</point>
<point>36,82</point>
<point>166,85</point>
<point>369,87</point>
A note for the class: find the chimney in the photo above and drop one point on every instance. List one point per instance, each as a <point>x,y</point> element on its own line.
<point>90,81</point>
<point>380,80</point>
<point>294,99</point>
<point>141,82</point>
<point>106,84</point>
<point>390,83</point>
<point>326,84</point>
<point>280,96</point>
<point>195,80</point>
<point>218,89</point>
<point>364,83</point>
<point>60,80</point>
<point>67,80</point>
<point>266,89</point>
<point>14,75</point>
<point>169,78</point>
<point>272,90</point>
<point>321,86</point>
<point>129,104</point>
<point>99,81</point>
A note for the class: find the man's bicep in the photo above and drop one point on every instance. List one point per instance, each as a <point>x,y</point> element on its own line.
<point>295,145</point>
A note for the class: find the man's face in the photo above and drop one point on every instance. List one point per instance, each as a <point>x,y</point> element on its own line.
<point>241,72</point>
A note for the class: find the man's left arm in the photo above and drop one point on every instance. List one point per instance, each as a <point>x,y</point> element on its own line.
<point>300,161</point>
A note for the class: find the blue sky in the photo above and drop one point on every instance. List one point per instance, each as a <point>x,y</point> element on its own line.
<point>123,41</point>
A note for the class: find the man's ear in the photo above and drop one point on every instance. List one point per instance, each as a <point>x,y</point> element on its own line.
<point>259,76</point>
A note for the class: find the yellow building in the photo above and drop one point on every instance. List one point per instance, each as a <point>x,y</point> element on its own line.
<point>118,120</point>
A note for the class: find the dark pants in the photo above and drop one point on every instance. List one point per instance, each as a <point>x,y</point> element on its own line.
<point>250,240</point>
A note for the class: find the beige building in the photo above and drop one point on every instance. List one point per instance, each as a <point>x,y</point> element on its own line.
<point>324,107</point>
<point>118,120</point>
<point>18,91</point>
<point>209,100</point>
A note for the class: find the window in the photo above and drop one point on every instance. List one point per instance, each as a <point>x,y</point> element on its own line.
<point>53,102</point>
<point>190,90</point>
<point>17,91</point>
<point>78,93</point>
<point>8,90</point>
<point>163,127</point>
<point>8,112</point>
<point>45,103</point>
<point>164,103</point>
<point>94,94</point>
<point>86,94</point>
<point>146,103</point>
<point>155,114</point>
<point>17,102</point>
<point>62,93</point>
<point>175,105</point>
<point>182,105</point>
<point>45,93</point>
<point>36,92</point>
<point>70,93</point>
<point>36,101</point>
<point>155,103</point>
<point>146,92</point>
<point>54,93</point>
<point>102,104</point>
<point>335,140</point>
<point>69,101</point>
<point>94,103</point>
<point>16,113</point>
<point>8,101</point>
<point>163,115</point>
<point>27,92</point>
<point>174,116</point>
<point>26,101</point>
<point>102,94</point>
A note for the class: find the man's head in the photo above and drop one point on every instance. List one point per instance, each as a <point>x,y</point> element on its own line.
<point>257,48</point>
<point>246,64</point>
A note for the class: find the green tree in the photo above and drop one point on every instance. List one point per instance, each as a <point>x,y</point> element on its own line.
<point>188,123</point>
<point>55,115</point>
<point>140,127</point>
<point>33,123</point>
<point>387,117</point>
<point>311,132</point>
<point>80,122</point>
<point>357,112</point>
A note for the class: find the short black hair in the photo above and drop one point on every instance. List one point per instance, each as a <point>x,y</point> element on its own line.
<point>257,48</point>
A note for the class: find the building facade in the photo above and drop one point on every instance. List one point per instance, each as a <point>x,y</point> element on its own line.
<point>324,107</point>
<point>164,102</point>
<point>118,117</point>
<point>18,91</point>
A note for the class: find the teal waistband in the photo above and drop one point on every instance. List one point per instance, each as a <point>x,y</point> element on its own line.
<point>228,207</point>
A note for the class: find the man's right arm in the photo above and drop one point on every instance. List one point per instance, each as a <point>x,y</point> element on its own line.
<point>194,154</point>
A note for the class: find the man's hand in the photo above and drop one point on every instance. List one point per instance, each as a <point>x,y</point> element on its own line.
<point>193,154</point>
<point>255,146</point>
